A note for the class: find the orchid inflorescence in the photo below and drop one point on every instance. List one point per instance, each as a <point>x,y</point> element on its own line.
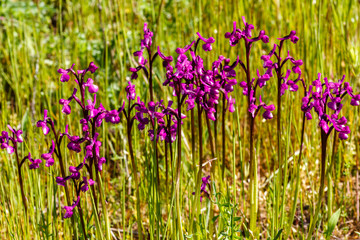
<point>200,85</point>
<point>326,97</point>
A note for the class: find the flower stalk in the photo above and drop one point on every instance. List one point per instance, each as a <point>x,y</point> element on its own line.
<point>19,164</point>
<point>135,170</point>
<point>324,137</point>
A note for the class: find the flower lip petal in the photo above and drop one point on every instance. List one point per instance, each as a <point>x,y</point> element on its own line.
<point>64,77</point>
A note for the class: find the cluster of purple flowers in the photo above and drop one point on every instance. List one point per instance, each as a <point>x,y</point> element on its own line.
<point>93,116</point>
<point>165,119</point>
<point>326,97</point>
<point>145,44</point>
<point>8,141</point>
<point>250,86</point>
<point>269,65</point>
<point>191,79</point>
<point>237,34</point>
<point>193,84</point>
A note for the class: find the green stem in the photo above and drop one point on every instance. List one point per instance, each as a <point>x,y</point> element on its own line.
<point>328,174</point>
<point>20,179</point>
<point>82,221</point>
<point>285,178</point>
<point>253,179</point>
<point>135,171</point>
<point>297,186</point>
<point>63,175</point>
<point>253,170</point>
<point>101,190</point>
<point>166,169</point>
<point>193,141</point>
<point>324,137</point>
<point>280,162</point>
<point>178,167</point>
<point>212,170</point>
<point>158,189</point>
<point>223,138</point>
<point>198,178</point>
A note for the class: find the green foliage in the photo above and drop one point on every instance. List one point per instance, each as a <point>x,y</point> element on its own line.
<point>332,223</point>
<point>38,37</point>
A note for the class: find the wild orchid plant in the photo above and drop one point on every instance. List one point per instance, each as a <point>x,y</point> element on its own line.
<point>160,129</point>
<point>87,142</point>
<point>202,88</point>
<point>145,44</point>
<point>192,84</point>
<point>249,89</point>
<point>283,83</point>
<point>146,115</point>
<point>326,98</point>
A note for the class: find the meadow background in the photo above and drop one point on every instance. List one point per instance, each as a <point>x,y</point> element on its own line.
<point>38,37</point>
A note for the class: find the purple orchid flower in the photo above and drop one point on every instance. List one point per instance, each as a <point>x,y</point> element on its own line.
<point>75,141</point>
<point>318,98</point>
<point>65,102</point>
<point>112,116</point>
<point>292,36</point>
<point>92,67</point>
<point>181,51</point>
<point>5,140</point>
<point>43,123</point>
<point>91,86</point>
<point>69,209</point>
<point>208,41</point>
<point>87,183</point>
<point>166,60</point>
<point>48,156</point>
<point>147,41</point>
<point>35,163</point>
<point>101,161</point>
<point>248,28</point>
<point>17,134</point>
<point>130,91</point>
<point>235,36</point>
<point>64,73</point>
<point>61,181</point>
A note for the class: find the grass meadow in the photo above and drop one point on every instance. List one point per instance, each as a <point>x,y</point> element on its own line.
<point>39,37</point>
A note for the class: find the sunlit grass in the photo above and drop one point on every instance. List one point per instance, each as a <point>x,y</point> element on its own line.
<point>38,38</point>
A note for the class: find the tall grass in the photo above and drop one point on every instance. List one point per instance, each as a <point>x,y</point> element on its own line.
<point>38,37</point>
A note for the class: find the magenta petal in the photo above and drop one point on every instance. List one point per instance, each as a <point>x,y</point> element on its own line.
<point>92,67</point>
<point>343,136</point>
<point>66,109</point>
<point>93,88</point>
<point>10,149</point>
<point>49,162</point>
<point>61,71</point>
<point>64,77</point>
<point>267,115</point>
<point>73,169</point>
